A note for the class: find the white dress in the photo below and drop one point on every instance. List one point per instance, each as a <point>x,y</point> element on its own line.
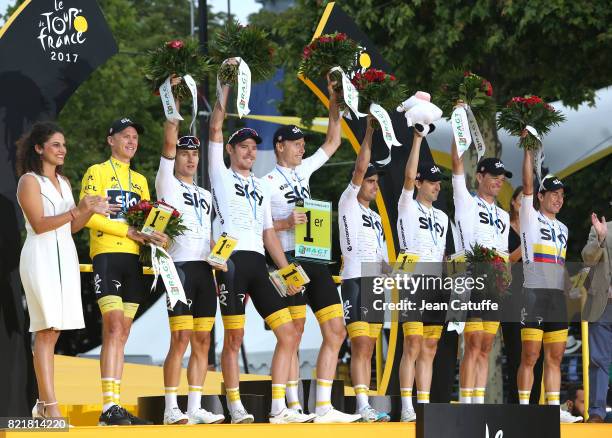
<point>49,266</point>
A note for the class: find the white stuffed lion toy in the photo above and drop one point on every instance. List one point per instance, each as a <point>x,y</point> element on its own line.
<point>420,112</point>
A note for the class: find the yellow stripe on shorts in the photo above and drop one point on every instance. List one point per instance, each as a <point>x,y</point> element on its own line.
<point>110,303</point>
<point>233,322</point>
<point>297,312</point>
<point>432,332</point>
<point>203,323</point>
<point>358,328</point>
<point>413,328</point>
<point>490,327</point>
<point>329,312</point>
<point>375,330</point>
<point>531,334</point>
<point>181,322</point>
<point>278,318</point>
<point>556,336</point>
<point>473,326</point>
<point>130,309</point>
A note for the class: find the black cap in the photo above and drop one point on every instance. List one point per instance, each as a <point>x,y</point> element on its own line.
<point>494,166</point>
<point>287,132</point>
<point>429,172</point>
<point>120,124</point>
<point>550,183</point>
<point>243,134</point>
<point>188,142</point>
<point>371,170</point>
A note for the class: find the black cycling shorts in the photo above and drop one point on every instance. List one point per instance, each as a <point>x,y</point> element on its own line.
<point>320,293</point>
<point>200,290</point>
<point>545,309</point>
<point>248,275</point>
<point>119,274</point>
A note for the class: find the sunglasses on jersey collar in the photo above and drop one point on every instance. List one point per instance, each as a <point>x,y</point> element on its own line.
<point>188,142</point>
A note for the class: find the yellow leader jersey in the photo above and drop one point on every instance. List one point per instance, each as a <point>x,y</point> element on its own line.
<point>115,180</point>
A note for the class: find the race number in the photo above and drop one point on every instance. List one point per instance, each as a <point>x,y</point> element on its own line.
<point>456,264</point>
<point>222,250</point>
<point>313,239</point>
<point>406,262</point>
<point>292,274</point>
<point>158,218</point>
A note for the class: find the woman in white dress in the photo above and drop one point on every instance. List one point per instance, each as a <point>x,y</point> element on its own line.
<point>49,266</point>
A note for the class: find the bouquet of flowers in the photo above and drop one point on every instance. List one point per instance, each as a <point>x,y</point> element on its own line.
<point>474,90</point>
<point>488,264</point>
<point>376,86</point>
<point>329,51</point>
<point>522,113</point>
<point>137,215</point>
<point>176,57</point>
<point>251,44</point>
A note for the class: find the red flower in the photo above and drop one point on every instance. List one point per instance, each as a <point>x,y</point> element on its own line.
<point>392,77</point>
<point>340,37</point>
<point>175,44</point>
<point>487,87</point>
<point>466,73</point>
<point>307,52</point>
<point>175,213</point>
<point>325,39</point>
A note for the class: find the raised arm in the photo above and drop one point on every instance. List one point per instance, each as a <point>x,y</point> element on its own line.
<point>332,138</point>
<point>527,173</point>
<point>218,116</point>
<point>363,158</point>
<point>413,162</point>
<point>457,161</point>
<point>171,128</point>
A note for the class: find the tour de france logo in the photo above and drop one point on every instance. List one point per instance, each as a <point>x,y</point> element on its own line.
<point>61,31</point>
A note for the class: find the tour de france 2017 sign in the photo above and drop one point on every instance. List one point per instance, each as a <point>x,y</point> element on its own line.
<point>313,239</point>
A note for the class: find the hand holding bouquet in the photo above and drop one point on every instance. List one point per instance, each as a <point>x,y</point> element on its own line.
<point>176,57</point>
<point>137,215</point>
<point>249,43</point>
<point>469,88</point>
<point>522,115</point>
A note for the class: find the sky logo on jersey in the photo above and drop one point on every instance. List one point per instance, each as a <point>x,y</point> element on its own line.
<point>426,224</point>
<point>125,199</point>
<point>548,254</point>
<point>488,220</point>
<point>193,199</point>
<point>245,192</point>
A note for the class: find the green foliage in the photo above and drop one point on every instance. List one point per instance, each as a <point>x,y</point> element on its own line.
<point>462,85</point>
<point>180,58</point>
<point>250,43</point>
<point>326,52</point>
<point>528,111</point>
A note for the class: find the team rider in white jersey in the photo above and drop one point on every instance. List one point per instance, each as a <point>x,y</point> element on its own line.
<point>243,212</point>
<point>544,245</point>
<point>421,229</point>
<point>190,323</point>
<point>287,183</point>
<point>479,220</point>
<point>364,253</point>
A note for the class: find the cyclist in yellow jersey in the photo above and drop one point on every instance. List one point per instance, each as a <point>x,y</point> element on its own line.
<point>114,249</point>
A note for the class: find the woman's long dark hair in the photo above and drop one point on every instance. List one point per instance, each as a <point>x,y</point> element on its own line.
<point>513,212</point>
<point>28,160</point>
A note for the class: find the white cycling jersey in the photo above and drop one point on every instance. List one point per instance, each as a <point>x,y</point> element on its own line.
<point>194,204</point>
<point>241,204</point>
<point>286,186</point>
<point>543,246</point>
<point>362,239</point>
<point>477,220</point>
<point>421,230</point>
